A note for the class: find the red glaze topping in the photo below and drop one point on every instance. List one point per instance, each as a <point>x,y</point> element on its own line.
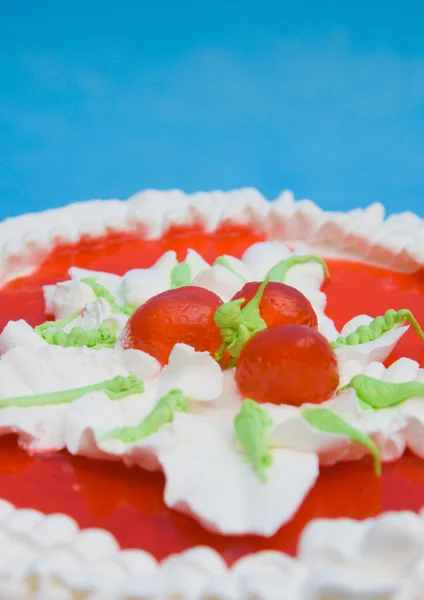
<point>280,304</point>
<point>290,364</point>
<point>183,315</point>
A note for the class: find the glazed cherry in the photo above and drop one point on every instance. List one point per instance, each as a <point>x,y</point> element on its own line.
<point>280,304</point>
<point>289,364</point>
<point>182,315</point>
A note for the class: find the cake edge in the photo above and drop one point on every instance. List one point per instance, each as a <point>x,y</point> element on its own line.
<point>53,558</point>
<point>395,242</point>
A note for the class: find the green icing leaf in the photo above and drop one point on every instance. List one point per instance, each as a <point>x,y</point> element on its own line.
<point>102,292</point>
<point>221,260</point>
<point>237,325</point>
<point>379,326</point>
<point>162,413</point>
<point>116,388</point>
<point>366,407</point>
<point>251,426</point>
<point>95,339</point>
<point>180,275</point>
<point>279,271</point>
<point>328,421</point>
<point>383,394</point>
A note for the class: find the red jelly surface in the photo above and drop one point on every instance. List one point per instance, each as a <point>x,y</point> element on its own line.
<point>128,502</point>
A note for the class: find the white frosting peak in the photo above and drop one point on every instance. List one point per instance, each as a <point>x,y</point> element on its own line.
<point>196,374</point>
<point>65,298</point>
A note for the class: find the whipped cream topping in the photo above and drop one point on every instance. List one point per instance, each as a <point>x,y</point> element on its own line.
<point>49,557</point>
<point>19,334</point>
<point>361,233</point>
<point>90,420</point>
<point>395,428</point>
<point>66,297</point>
<point>204,470</point>
<point>138,285</point>
<point>26,370</point>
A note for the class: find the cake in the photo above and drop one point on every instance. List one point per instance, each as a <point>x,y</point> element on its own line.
<point>143,460</point>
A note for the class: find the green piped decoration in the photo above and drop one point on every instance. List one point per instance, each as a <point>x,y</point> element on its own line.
<point>180,275</point>
<point>383,394</point>
<point>40,329</point>
<point>279,271</point>
<point>251,426</point>
<point>328,421</point>
<point>52,332</point>
<point>95,339</point>
<point>237,325</point>
<point>224,262</point>
<point>379,326</point>
<point>162,414</point>
<point>117,388</point>
<point>102,292</point>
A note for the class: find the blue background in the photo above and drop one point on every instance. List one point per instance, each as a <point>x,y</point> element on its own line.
<point>103,99</point>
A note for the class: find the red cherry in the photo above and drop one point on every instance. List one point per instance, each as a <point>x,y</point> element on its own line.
<point>289,364</point>
<point>182,315</point>
<point>280,304</point>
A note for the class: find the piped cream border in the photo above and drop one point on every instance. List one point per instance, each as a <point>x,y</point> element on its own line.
<point>362,234</point>
<point>48,557</point>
